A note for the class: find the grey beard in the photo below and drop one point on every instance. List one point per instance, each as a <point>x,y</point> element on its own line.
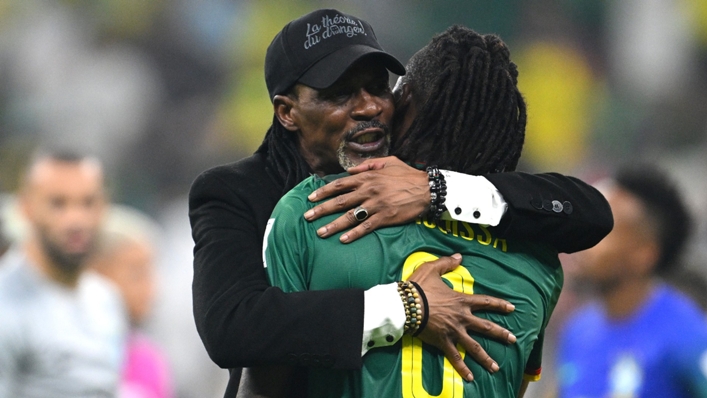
<point>347,162</point>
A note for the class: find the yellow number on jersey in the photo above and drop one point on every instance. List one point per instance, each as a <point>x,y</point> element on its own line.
<point>453,384</point>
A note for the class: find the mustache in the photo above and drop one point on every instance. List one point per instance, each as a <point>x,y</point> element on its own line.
<point>348,136</point>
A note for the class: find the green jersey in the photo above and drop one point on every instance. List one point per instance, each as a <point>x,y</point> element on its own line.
<point>526,274</point>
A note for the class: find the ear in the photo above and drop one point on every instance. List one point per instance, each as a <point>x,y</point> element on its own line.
<point>407,94</point>
<point>405,110</point>
<point>283,107</point>
<point>402,93</point>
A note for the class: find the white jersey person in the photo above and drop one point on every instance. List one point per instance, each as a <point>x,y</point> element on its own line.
<point>62,328</point>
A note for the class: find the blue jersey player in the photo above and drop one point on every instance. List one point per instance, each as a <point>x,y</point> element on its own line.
<point>642,338</point>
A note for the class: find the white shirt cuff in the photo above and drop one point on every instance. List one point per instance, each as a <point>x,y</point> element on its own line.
<point>383,317</point>
<point>473,199</point>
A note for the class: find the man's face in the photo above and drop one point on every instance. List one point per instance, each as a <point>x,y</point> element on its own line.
<point>346,123</point>
<point>620,255</point>
<point>64,203</point>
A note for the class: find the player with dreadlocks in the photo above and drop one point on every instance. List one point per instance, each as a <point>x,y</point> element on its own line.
<point>467,83</point>
<point>461,94</point>
<point>342,79</point>
<point>469,109</point>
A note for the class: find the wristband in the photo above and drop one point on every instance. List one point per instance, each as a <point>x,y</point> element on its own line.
<point>415,312</point>
<point>438,193</point>
<point>425,309</point>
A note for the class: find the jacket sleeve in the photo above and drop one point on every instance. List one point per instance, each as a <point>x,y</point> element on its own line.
<point>242,320</point>
<point>551,208</point>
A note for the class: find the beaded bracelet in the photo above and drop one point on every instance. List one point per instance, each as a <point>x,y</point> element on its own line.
<point>438,193</point>
<point>424,307</point>
<point>415,304</point>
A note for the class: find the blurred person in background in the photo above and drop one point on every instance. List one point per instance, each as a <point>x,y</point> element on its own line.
<point>63,327</point>
<point>245,322</point>
<point>691,282</point>
<point>126,257</point>
<point>641,338</point>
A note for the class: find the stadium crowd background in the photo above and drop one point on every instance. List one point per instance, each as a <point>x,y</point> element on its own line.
<point>161,90</point>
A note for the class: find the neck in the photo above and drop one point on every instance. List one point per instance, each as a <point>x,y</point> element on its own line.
<point>322,169</point>
<point>48,268</point>
<point>623,299</point>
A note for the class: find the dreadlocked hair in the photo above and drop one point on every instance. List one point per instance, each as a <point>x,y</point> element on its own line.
<point>471,116</point>
<point>283,157</point>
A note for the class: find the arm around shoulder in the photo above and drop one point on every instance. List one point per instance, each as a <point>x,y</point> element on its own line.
<point>241,319</point>
<point>564,212</point>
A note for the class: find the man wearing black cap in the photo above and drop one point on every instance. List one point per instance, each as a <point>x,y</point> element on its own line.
<point>327,78</point>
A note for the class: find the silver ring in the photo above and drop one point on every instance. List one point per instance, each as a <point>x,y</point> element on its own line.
<point>360,214</point>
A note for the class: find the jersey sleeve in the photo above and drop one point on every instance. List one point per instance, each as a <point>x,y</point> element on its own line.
<point>287,243</point>
<point>533,368</point>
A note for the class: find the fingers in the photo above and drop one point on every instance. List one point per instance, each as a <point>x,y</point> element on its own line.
<point>480,302</point>
<point>354,181</point>
<point>476,352</point>
<point>364,228</point>
<point>455,358</point>
<point>336,205</point>
<point>443,264</point>
<point>347,221</point>
<point>336,187</point>
<point>490,329</point>
<point>371,164</point>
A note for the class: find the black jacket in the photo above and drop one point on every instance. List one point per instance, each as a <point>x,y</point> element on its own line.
<point>245,322</point>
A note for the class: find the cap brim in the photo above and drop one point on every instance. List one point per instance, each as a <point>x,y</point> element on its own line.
<point>330,68</point>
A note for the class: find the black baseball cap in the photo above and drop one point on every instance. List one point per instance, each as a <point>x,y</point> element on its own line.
<point>318,48</point>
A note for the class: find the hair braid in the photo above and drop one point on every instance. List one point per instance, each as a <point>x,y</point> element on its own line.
<point>471,116</point>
